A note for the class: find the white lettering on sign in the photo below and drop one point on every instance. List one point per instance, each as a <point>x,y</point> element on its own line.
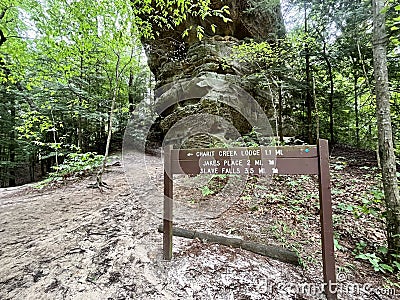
<point>232,153</point>
<point>204,153</point>
<point>221,168</point>
<point>271,162</point>
<point>230,170</point>
<point>228,153</point>
<point>208,170</point>
<point>258,162</point>
<point>268,152</point>
<point>212,163</point>
<point>234,162</point>
<point>251,152</point>
<point>248,171</point>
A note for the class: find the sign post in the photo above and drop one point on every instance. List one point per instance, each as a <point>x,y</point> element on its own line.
<point>168,204</point>
<point>325,201</point>
<point>264,160</point>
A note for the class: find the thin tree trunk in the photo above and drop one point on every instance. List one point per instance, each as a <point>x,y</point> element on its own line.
<point>331,84</point>
<point>280,108</point>
<point>80,134</point>
<point>385,140</point>
<point>12,181</point>
<point>131,84</point>
<point>316,108</point>
<point>54,136</point>
<point>110,123</point>
<point>130,91</point>
<point>309,105</point>
<point>32,163</point>
<point>356,108</point>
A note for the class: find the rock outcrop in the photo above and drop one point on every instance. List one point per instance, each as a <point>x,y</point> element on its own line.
<point>174,59</point>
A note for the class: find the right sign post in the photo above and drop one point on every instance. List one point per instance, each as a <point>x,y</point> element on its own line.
<point>325,201</point>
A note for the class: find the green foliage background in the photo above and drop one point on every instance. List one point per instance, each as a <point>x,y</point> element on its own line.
<point>58,71</point>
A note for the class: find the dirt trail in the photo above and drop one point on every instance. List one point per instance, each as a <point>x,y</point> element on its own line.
<point>74,242</point>
<point>79,243</point>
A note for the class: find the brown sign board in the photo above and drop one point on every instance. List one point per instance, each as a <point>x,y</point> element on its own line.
<point>261,161</point>
<point>246,161</point>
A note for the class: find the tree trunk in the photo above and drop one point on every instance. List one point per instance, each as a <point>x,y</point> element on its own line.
<point>12,181</point>
<point>110,123</point>
<point>131,84</point>
<point>316,110</point>
<point>280,108</point>
<point>331,84</point>
<point>385,140</point>
<point>309,105</point>
<point>356,107</point>
<point>79,128</point>
<point>131,99</point>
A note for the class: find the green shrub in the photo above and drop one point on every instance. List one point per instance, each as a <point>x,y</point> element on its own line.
<point>75,164</point>
<point>78,164</point>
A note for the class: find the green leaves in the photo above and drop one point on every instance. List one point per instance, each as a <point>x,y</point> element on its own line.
<point>213,27</point>
<point>375,259</point>
<point>60,59</point>
<point>393,22</point>
<point>206,191</point>
<point>261,53</point>
<point>376,262</point>
<point>153,17</point>
<point>76,164</point>
<point>200,32</point>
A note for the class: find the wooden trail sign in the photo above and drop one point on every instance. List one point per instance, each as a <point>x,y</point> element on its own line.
<point>288,160</point>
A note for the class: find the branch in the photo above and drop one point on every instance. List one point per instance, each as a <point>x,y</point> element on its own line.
<point>274,252</point>
<point>15,37</point>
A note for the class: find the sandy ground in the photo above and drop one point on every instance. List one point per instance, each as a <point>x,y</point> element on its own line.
<point>73,242</point>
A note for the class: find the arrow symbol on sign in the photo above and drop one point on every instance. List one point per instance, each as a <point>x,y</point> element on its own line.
<point>190,154</point>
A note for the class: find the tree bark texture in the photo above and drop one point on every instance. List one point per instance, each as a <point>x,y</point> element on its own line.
<point>331,93</point>
<point>385,139</point>
<point>356,108</point>
<point>308,103</point>
<point>114,88</point>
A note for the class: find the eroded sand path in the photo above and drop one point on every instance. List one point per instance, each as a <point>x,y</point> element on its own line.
<point>73,242</point>
<point>76,242</point>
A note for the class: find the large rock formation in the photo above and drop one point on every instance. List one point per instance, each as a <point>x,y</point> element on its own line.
<point>173,59</point>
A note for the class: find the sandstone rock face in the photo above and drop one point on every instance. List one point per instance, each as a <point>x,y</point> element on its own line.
<point>175,61</point>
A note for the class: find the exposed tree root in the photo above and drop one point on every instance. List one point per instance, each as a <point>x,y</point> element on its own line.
<point>99,184</point>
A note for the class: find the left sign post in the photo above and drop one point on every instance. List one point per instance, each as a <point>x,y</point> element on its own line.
<point>168,204</point>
